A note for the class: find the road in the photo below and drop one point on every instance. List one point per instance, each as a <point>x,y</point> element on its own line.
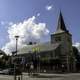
<point>71,76</point>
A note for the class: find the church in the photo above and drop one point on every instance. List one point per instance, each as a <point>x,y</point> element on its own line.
<point>53,56</point>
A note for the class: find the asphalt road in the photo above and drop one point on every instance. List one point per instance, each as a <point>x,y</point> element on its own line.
<point>72,76</point>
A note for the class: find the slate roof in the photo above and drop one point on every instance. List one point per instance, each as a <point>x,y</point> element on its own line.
<point>61,24</point>
<point>38,47</point>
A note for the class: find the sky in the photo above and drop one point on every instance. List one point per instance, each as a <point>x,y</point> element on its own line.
<point>35,20</point>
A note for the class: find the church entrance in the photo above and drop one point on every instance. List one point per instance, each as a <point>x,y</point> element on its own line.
<point>55,65</point>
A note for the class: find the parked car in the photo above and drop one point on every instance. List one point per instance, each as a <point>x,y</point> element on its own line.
<point>10,71</point>
<point>5,71</point>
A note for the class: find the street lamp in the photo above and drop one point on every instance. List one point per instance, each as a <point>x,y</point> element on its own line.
<point>39,62</point>
<point>63,67</point>
<point>16,37</point>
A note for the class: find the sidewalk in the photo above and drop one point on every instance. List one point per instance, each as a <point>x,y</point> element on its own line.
<point>47,75</point>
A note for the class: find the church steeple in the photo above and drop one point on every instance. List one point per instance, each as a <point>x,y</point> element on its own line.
<point>61,31</point>
<point>61,24</point>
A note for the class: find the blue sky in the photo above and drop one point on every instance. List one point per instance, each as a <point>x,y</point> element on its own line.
<point>45,11</point>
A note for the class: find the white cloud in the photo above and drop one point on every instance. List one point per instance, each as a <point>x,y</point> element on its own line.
<point>28,30</point>
<point>49,7</point>
<point>77,45</point>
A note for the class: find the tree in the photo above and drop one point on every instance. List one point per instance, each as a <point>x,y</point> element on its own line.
<point>5,61</point>
<point>75,51</point>
<point>77,56</point>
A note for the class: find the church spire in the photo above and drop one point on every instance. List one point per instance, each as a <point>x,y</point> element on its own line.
<point>61,24</point>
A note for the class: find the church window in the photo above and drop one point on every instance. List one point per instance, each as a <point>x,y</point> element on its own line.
<point>68,39</point>
<point>36,49</point>
<point>57,39</point>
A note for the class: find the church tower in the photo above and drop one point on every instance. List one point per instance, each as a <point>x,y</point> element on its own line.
<point>64,38</point>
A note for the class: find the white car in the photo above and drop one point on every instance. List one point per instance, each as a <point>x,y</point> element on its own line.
<point>6,71</point>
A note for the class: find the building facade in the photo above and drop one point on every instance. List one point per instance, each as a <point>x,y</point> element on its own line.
<point>54,56</point>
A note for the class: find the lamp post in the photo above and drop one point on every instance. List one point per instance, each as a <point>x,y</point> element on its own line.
<point>16,37</point>
<point>39,62</point>
<point>63,67</point>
